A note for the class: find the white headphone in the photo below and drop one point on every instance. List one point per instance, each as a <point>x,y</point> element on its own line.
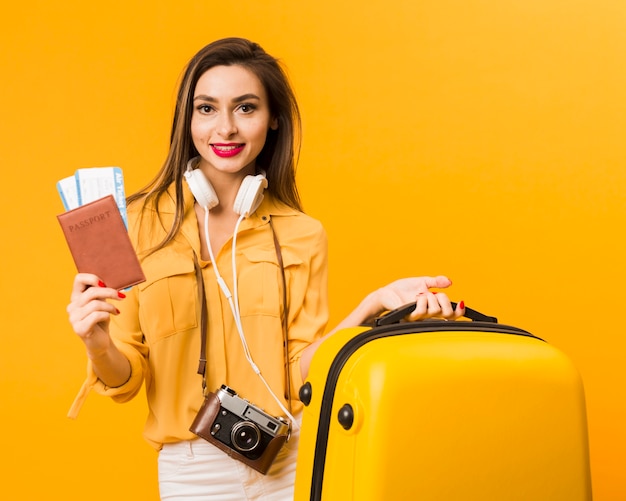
<point>248,199</point>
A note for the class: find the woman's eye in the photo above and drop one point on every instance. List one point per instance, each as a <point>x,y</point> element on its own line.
<point>204,108</point>
<point>247,108</point>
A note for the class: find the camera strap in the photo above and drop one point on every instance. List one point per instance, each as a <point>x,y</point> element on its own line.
<point>205,316</point>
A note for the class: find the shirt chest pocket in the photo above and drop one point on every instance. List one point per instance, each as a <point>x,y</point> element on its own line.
<point>260,283</point>
<point>168,298</point>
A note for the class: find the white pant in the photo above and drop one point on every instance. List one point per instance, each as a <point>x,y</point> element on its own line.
<point>198,470</point>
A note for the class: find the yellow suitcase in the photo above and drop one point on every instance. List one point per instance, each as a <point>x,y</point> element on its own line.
<point>446,411</point>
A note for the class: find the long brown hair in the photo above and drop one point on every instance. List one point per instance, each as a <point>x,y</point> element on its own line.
<point>279,155</point>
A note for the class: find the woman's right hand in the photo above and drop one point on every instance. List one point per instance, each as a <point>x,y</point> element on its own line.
<point>90,312</point>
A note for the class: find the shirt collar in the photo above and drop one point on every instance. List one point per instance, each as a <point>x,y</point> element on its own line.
<point>269,207</point>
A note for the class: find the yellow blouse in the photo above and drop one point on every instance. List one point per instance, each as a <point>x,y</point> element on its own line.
<point>158,328</point>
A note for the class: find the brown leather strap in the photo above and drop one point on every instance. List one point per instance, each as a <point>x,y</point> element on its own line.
<point>279,257</point>
<point>205,316</point>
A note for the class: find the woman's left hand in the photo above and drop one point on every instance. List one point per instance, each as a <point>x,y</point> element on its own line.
<point>429,304</point>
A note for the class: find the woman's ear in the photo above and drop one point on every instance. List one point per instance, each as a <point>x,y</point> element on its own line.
<point>274,124</point>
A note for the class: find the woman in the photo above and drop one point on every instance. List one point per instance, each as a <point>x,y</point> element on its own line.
<point>259,266</point>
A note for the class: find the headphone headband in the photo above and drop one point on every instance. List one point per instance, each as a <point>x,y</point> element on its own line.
<point>247,201</point>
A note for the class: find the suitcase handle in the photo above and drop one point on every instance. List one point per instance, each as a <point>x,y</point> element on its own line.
<point>395,316</point>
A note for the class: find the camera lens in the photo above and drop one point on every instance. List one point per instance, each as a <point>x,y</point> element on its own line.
<point>245,436</point>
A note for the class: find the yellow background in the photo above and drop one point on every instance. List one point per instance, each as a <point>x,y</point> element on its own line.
<point>481,139</point>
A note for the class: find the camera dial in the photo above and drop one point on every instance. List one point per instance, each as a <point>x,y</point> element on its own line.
<point>245,436</point>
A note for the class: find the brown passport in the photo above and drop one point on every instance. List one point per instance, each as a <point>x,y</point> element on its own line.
<point>99,243</point>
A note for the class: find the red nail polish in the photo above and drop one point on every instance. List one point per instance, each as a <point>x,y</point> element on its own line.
<point>117,311</point>
<point>121,295</point>
<point>101,283</point>
<point>462,305</point>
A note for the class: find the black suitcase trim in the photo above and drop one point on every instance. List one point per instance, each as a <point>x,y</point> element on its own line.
<point>420,327</point>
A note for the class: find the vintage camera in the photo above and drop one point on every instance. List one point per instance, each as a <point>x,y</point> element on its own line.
<point>241,429</point>
<point>244,427</point>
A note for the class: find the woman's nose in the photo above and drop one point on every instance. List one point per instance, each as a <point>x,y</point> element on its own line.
<point>226,126</point>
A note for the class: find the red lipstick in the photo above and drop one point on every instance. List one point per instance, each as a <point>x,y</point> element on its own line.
<point>227,150</point>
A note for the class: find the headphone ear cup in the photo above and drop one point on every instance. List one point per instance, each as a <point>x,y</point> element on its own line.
<point>250,195</point>
<point>202,190</point>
